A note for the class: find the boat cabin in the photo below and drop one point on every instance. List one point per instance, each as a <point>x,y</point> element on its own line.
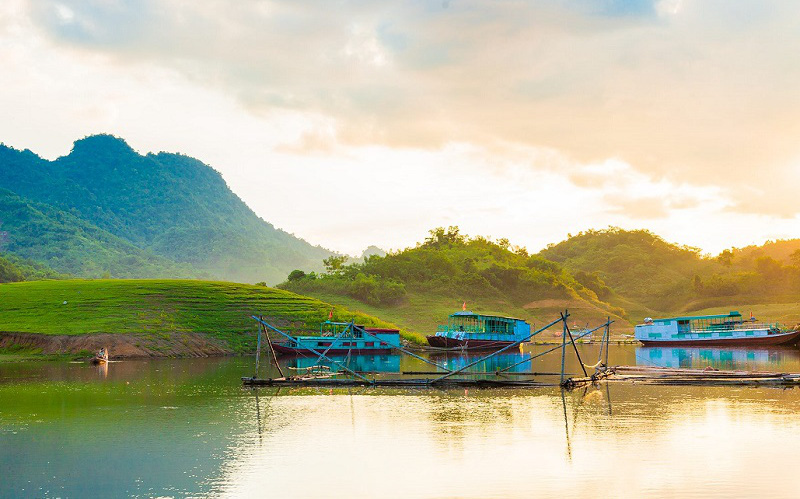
<point>702,327</point>
<point>467,324</point>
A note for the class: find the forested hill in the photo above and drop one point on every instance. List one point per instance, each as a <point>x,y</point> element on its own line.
<point>626,274</point>
<point>169,208</point>
<point>649,274</point>
<point>419,286</point>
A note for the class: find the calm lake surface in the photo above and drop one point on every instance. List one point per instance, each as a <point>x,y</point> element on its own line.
<point>187,428</point>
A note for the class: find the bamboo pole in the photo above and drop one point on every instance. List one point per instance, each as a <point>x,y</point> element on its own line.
<point>574,347</point>
<point>563,349</point>
<point>608,337</point>
<point>272,349</point>
<point>258,350</point>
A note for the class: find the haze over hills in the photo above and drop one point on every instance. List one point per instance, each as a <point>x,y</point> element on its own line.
<point>104,209</point>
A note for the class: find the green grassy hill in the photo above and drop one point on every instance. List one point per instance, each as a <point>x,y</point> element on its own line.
<point>418,287</point>
<point>161,309</point>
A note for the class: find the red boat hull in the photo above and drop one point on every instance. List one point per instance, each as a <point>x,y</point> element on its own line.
<point>472,344</point>
<point>788,338</point>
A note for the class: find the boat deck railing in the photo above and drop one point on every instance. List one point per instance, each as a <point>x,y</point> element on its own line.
<point>471,329</point>
<point>743,326</point>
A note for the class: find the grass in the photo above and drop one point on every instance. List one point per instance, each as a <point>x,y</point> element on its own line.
<point>162,308</point>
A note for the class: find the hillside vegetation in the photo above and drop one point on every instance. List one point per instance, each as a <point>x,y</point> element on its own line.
<point>418,287</point>
<point>161,309</point>
<point>157,215</point>
<point>15,269</point>
<point>645,271</point>
<point>65,242</point>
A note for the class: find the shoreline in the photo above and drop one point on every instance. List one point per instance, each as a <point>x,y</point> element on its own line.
<point>17,346</point>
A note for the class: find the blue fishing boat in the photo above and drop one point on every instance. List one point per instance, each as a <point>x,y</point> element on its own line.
<point>717,330</point>
<point>472,331</point>
<point>342,338</point>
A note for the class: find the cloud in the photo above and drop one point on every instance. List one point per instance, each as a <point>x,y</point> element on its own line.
<point>702,90</point>
<point>694,97</point>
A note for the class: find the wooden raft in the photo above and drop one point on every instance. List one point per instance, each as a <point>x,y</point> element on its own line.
<point>398,383</point>
<point>695,377</point>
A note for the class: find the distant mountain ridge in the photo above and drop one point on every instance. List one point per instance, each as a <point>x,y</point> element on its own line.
<point>167,208</point>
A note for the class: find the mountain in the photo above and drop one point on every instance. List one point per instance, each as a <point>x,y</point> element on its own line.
<point>62,241</point>
<point>166,207</point>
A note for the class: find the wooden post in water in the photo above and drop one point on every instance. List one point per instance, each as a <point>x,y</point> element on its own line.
<point>258,351</point>
<point>272,349</point>
<point>563,344</point>
<point>574,347</point>
<point>608,337</point>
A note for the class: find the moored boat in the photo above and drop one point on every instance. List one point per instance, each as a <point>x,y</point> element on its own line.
<point>473,331</point>
<point>342,338</point>
<point>101,357</point>
<point>714,330</point>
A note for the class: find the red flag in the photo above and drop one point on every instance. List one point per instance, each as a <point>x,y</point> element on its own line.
<point>464,306</point>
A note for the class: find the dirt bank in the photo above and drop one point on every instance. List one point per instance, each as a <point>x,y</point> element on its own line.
<point>119,345</point>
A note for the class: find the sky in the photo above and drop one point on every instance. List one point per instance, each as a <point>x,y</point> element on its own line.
<point>352,124</point>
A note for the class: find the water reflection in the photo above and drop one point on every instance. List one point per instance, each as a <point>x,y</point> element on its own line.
<point>518,362</point>
<point>187,428</point>
<point>387,363</point>
<point>753,359</point>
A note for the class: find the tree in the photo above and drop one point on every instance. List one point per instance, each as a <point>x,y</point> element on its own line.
<point>296,275</point>
<point>795,258</point>
<point>697,283</point>
<point>334,263</point>
<point>441,236</point>
<point>725,258</point>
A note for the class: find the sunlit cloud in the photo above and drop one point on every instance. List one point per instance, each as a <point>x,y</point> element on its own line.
<point>676,115</point>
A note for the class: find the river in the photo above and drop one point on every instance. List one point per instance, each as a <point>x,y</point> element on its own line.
<point>186,427</point>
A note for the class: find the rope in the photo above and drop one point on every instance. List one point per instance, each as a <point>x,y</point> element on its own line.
<point>595,366</point>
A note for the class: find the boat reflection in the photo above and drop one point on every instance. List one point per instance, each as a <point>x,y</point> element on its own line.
<point>773,359</point>
<point>385,363</point>
<point>515,362</point>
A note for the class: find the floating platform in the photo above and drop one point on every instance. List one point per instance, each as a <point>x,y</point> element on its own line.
<point>396,383</point>
<point>617,374</point>
<point>690,377</point>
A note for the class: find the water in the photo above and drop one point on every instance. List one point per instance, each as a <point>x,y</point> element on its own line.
<point>187,428</point>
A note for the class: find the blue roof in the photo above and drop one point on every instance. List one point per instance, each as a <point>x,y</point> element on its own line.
<point>470,313</point>
<point>732,314</point>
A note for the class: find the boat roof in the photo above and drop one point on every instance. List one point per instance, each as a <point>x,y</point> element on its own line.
<point>730,315</point>
<point>470,313</point>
